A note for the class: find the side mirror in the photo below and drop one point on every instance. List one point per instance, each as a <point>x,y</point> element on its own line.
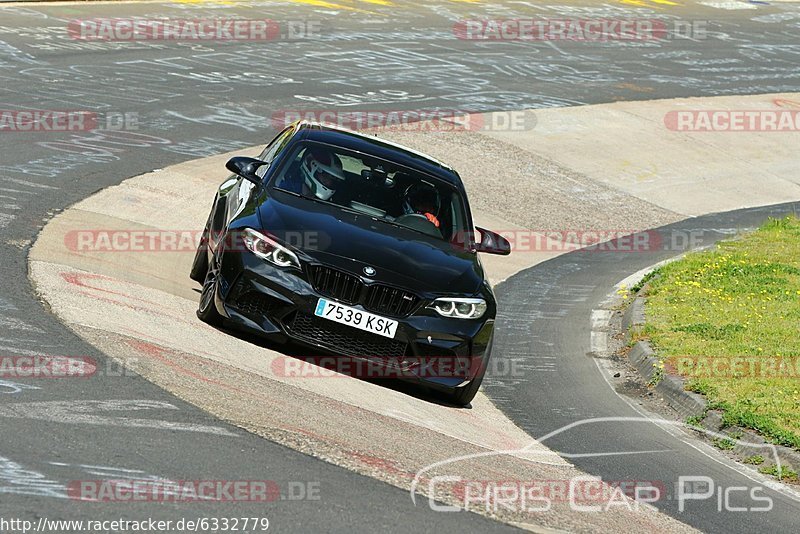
<point>493,243</point>
<point>246,168</point>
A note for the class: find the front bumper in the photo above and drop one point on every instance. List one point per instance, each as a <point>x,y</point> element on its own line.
<point>279,304</point>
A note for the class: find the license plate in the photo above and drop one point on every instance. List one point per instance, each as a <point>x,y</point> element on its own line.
<point>356,318</point>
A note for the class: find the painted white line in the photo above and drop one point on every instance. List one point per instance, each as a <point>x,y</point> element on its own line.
<point>12,388</point>
<point>22,480</point>
<point>600,318</point>
<point>87,413</point>
<point>599,343</point>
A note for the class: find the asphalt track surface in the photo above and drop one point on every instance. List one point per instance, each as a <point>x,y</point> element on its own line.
<point>197,99</point>
<point>560,391</point>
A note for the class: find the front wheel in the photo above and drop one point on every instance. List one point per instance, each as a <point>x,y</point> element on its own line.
<point>207,310</point>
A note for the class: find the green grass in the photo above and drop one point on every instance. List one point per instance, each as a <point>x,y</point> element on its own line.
<point>740,300</point>
<point>782,473</point>
<point>646,278</point>
<point>724,444</point>
<point>695,421</point>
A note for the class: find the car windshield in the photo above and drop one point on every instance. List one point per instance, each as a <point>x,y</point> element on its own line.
<point>383,190</point>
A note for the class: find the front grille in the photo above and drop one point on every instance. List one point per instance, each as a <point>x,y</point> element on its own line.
<point>336,284</point>
<point>350,289</point>
<point>344,339</point>
<point>390,301</point>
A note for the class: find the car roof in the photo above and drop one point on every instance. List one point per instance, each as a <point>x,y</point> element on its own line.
<point>373,145</point>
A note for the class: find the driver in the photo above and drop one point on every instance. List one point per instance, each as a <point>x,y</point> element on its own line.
<point>423,199</point>
<point>320,174</point>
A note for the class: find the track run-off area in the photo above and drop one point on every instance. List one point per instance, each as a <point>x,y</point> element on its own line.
<point>174,399</point>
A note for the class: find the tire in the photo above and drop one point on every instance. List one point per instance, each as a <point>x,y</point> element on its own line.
<point>200,263</point>
<point>207,310</point>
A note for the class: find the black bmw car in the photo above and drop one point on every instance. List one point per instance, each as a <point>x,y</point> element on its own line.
<point>355,246</point>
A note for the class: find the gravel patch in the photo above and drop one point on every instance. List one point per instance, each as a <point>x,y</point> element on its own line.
<point>530,190</point>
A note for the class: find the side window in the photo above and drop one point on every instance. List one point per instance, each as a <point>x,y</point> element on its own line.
<point>276,145</point>
<point>289,178</point>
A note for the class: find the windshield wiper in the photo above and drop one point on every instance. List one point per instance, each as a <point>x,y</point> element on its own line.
<point>300,195</point>
<point>320,201</point>
<point>398,225</point>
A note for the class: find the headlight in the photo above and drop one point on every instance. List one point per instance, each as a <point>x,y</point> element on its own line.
<point>267,249</point>
<point>460,308</point>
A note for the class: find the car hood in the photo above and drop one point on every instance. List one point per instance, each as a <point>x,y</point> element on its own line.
<point>353,241</point>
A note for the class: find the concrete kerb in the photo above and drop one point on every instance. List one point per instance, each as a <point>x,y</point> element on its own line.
<point>688,405</point>
<point>644,359</point>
